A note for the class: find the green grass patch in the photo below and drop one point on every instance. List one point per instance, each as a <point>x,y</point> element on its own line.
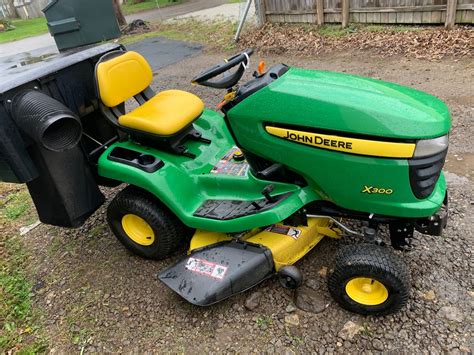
<point>21,330</point>
<point>214,33</point>
<point>129,8</point>
<point>24,29</point>
<point>333,31</point>
<point>16,205</point>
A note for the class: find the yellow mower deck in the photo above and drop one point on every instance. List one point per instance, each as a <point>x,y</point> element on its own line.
<point>288,244</point>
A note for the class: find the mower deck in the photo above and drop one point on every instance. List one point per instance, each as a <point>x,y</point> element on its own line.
<point>220,265</point>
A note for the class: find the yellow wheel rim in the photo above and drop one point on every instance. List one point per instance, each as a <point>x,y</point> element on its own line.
<point>366,291</point>
<point>138,230</point>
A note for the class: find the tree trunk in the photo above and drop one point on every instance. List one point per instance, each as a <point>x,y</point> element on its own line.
<point>118,13</point>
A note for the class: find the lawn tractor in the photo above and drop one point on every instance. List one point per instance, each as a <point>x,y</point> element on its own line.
<point>294,155</point>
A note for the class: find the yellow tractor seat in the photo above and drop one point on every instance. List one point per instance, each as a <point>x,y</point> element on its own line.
<point>163,120</point>
<point>165,114</point>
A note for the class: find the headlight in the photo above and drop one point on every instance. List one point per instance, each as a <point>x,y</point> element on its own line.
<point>428,147</point>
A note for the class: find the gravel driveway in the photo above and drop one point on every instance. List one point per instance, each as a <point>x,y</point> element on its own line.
<point>95,296</point>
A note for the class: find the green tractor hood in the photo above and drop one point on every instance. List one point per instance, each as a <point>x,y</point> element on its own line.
<point>347,103</point>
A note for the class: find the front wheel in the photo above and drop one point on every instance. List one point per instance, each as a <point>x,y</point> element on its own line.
<point>143,225</point>
<point>369,279</point>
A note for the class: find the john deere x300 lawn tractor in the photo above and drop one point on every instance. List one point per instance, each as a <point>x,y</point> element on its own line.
<point>293,155</point>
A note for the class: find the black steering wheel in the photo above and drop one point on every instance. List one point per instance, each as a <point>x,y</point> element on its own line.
<point>242,59</point>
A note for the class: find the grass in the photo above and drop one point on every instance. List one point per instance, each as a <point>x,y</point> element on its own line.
<point>129,8</point>
<point>20,328</point>
<point>16,205</point>
<point>20,322</point>
<point>24,29</point>
<point>217,34</point>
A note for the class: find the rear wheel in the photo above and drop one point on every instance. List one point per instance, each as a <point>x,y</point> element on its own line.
<point>143,225</point>
<point>369,279</point>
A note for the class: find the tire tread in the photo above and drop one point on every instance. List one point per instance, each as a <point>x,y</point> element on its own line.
<point>172,231</point>
<point>376,260</point>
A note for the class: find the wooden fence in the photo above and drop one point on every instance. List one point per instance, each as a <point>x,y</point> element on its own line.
<point>22,8</point>
<point>368,11</point>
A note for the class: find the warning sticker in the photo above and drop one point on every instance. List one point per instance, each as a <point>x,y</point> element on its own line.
<point>285,230</point>
<point>207,268</point>
<point>227,165</point>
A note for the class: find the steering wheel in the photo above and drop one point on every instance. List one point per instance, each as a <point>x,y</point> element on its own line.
<point>242,59</point>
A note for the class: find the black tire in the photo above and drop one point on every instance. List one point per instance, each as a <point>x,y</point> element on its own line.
<point>374,262</point>
<point>169,233</point>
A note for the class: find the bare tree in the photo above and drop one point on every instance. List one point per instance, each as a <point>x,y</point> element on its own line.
<point>119,14</point>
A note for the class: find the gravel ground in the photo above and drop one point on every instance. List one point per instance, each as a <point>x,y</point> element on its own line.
<point>97,297</point>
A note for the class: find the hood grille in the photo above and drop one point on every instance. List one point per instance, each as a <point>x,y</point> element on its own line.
<point>424,173</point>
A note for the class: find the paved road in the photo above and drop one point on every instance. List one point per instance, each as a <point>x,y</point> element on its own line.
<point>44,42</point>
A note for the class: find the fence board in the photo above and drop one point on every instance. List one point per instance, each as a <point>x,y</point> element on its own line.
<point>367,11</point>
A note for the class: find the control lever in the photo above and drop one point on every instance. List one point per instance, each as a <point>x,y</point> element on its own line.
<point>266,192</point>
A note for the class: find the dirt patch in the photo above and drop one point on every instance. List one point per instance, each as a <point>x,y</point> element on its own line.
<point>432,43</point>
<point>96,297</point>
<point>461,164</point>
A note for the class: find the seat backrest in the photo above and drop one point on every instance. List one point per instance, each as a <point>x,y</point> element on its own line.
<point>122,77</point>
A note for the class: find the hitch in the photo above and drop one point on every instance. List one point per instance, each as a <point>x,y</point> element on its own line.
<point>435,224</point>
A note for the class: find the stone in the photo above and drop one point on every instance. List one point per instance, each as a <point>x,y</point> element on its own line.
<point>237,307</point>
<point>312,283</point>
<point>310,301</point>
<point>377,344</point>
<point>292,319</point>
<point>451,313</point>
<point>350,330</point>
<point>253,301</point>
<point>323,272</point>
<point>290,308</point>
<point>429,295</point>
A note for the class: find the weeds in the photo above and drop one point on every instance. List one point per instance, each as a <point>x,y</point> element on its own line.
<point>264,321</point>
<point>296,340</point>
